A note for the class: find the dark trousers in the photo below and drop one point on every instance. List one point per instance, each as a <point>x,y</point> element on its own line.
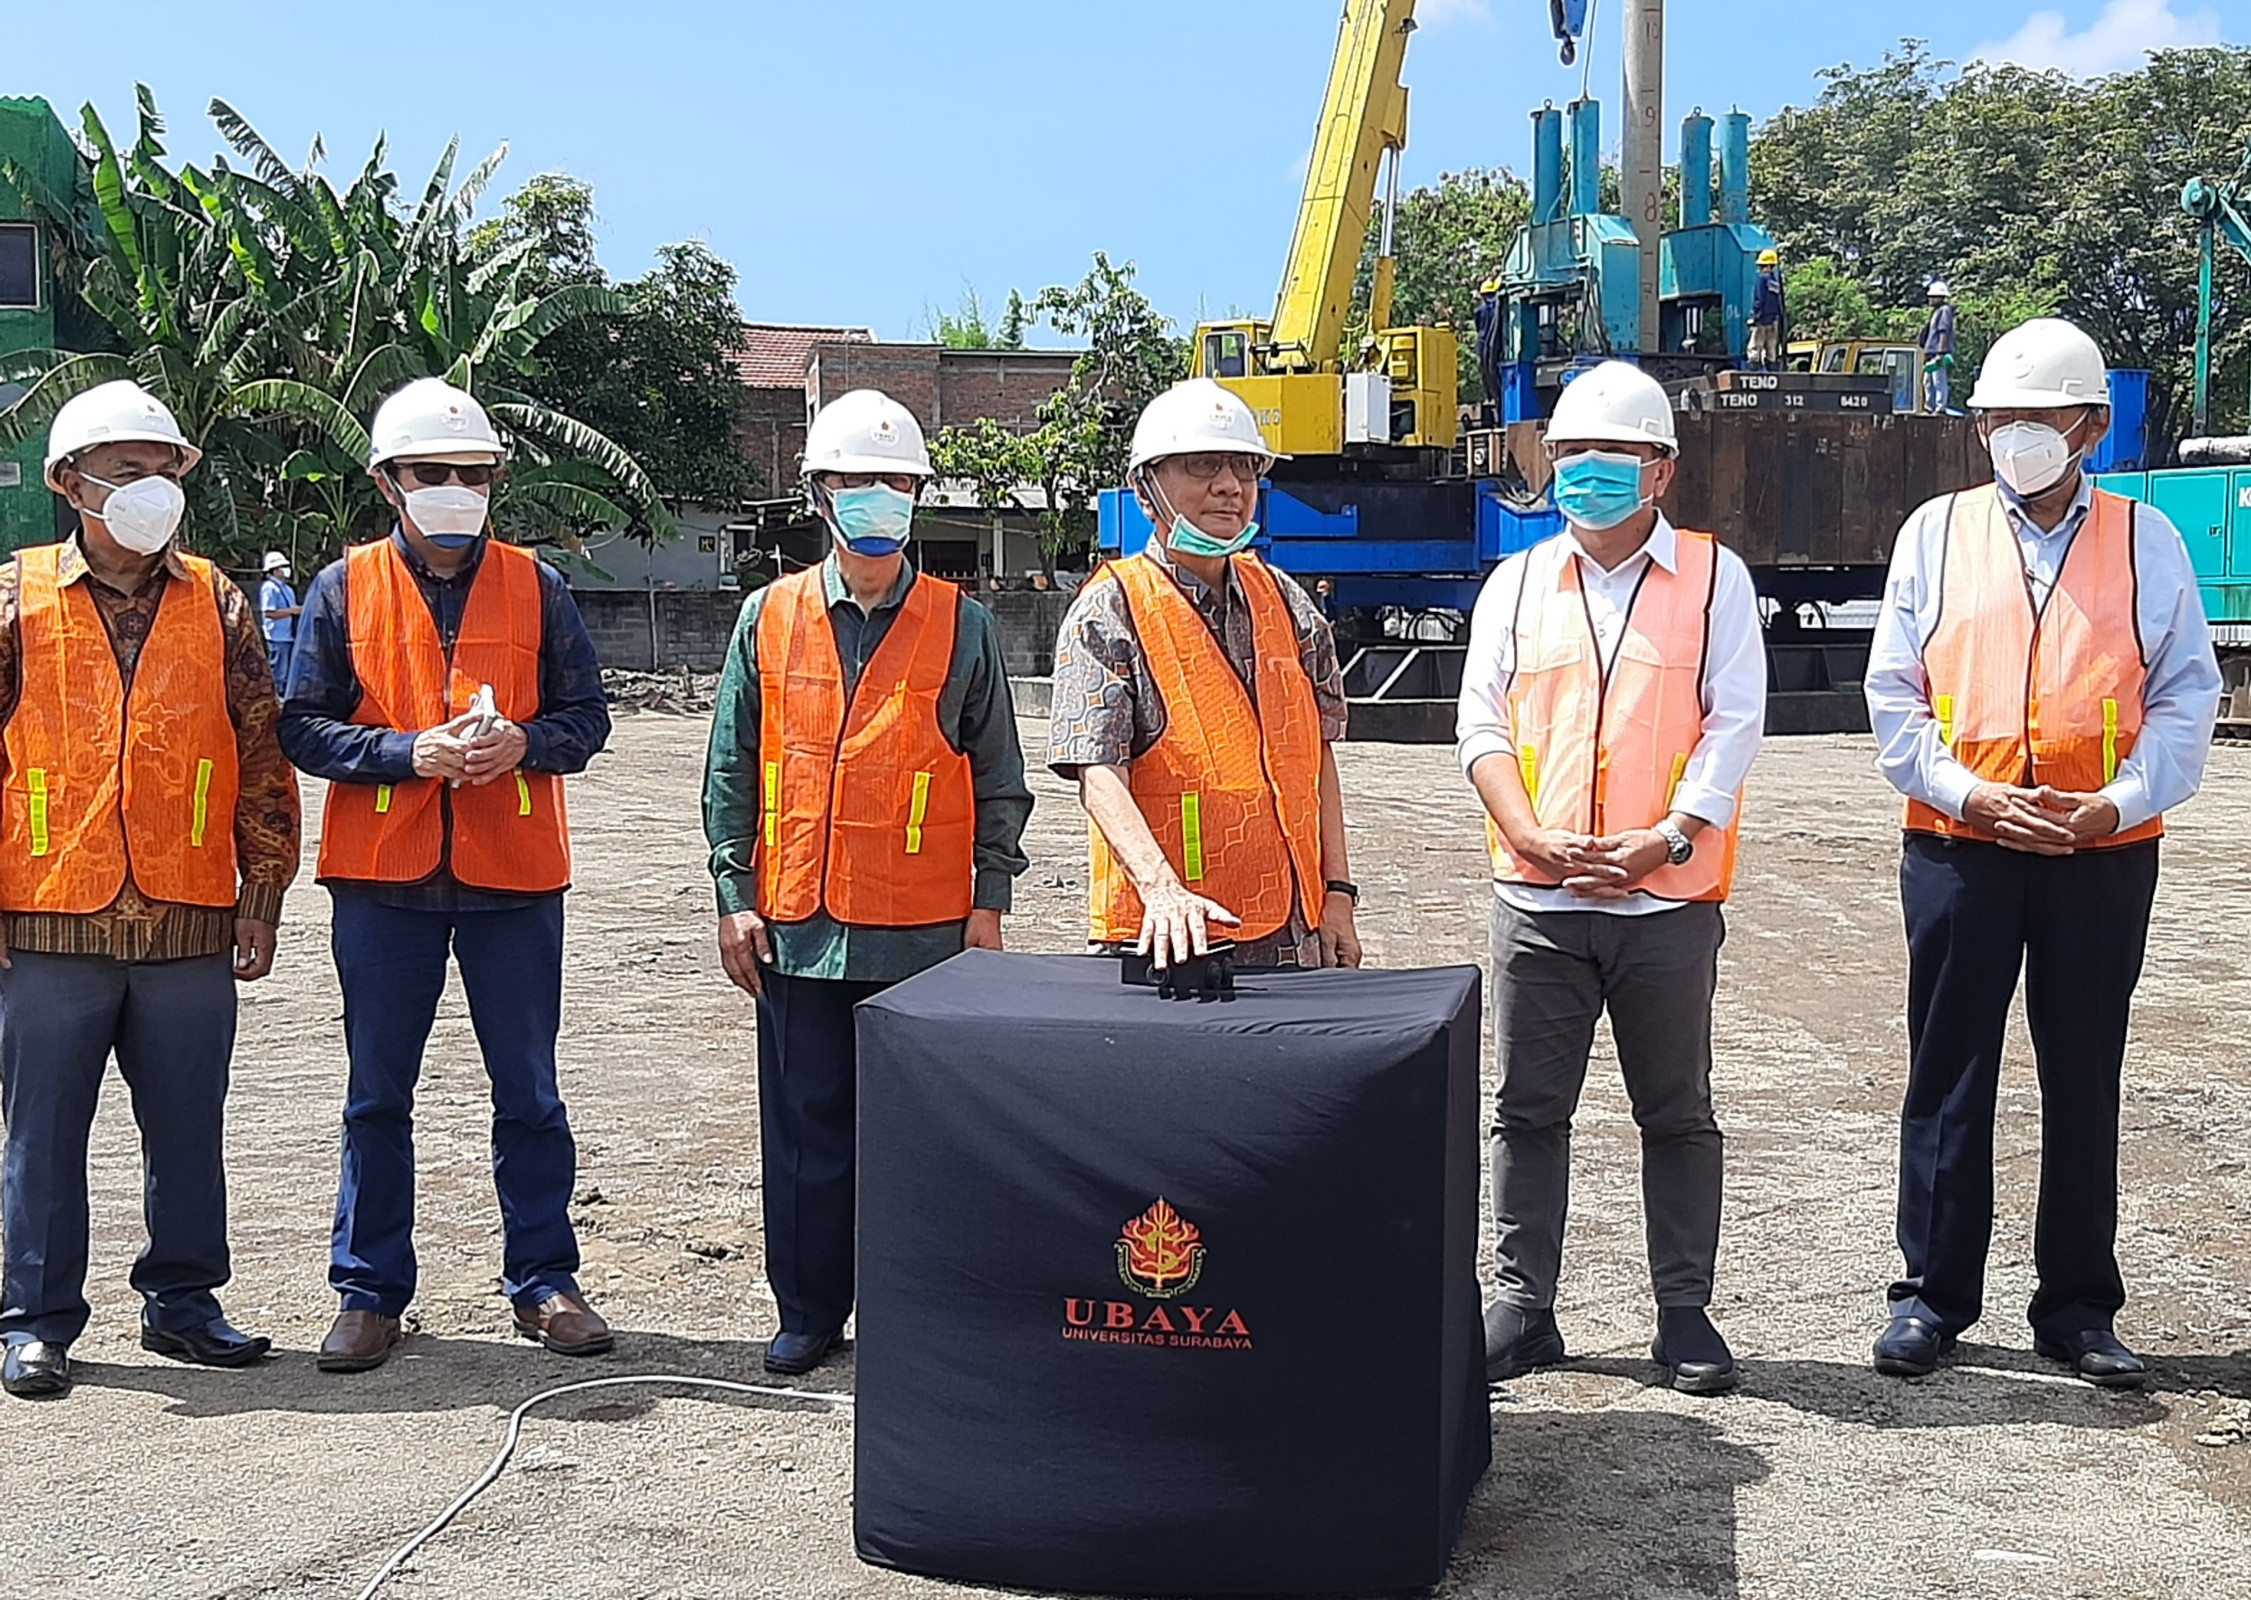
<point>808,1098</point>
<point>2075,926</point>
<point>1554,974</point>
<point>171,1024</point>
<point>393,965</point>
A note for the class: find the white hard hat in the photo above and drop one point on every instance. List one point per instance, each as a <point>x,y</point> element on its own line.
<point>866,431</point>
<point>118,412</point>
<point>275,561</point>
<point>2044,364</point>
<point>1938,290</point>
<point>1200,414</point>
<point>1615,403</point>
<point>430,417</point>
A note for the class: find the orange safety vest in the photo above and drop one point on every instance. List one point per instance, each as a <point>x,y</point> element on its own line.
<point>2029,695</point>
<point>511,834</point>
<point>1232,787</point>
<point>100,785</point>
<point>1602,750</point>
<point>869,813</point>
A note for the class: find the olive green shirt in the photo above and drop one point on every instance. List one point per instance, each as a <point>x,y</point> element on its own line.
<point>978,718</point>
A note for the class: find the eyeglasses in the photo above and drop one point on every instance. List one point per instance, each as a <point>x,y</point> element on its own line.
<point>1209,464</point>
<point>429,474</point>
<point>904,482</point>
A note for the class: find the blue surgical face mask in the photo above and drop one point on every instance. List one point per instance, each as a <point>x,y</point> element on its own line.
<point>1598,489</point>
<point>1191,540</point>
<point>872,521</point>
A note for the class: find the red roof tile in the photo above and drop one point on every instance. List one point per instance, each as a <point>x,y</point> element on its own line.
<point>774,354</point>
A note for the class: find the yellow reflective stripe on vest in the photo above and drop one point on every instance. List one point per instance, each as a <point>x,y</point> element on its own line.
<point>36,780</point>
<point>1945,709</point>
<point>523,794</point>
<point>773,804</point>
<point>202,804</point>
<point>1528,763</point>
<point>1680,771</point>
<point>916,811</point>
<point>2109,741</point>
<point>1192,836</point>
<point>382,799</point>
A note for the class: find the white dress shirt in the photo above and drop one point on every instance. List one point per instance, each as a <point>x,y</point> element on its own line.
<point>1734,689</point>
<point>2180,694</point>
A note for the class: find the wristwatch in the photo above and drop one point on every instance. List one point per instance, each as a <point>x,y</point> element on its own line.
<point>1345,887</point>
<point>1678,846</point>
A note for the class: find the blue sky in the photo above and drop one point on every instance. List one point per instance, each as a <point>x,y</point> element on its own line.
<point>861,162</point>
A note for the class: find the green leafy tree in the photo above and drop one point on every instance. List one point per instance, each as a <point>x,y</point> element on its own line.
<point>272,312</point>
<point>2030,192</point>
<point>1450,237</point>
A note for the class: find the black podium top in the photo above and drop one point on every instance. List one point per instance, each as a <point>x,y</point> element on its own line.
<point>1121,1260</point>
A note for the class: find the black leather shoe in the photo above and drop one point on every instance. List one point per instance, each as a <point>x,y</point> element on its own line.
<point>2097,1356</point>
<point>1517,1340</point>
<point>216,1344</point>
<point>36,1370</point>
<point>1911,1346</point>
<point>1692,1350</point>
<point>793,1353</point>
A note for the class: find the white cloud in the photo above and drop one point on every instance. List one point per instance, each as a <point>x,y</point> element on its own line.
<point>2114,42</point>
<point>1437,13</point>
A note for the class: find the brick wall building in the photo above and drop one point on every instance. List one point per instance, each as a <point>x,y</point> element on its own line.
<point>940,385</point>
<point>772,366</point>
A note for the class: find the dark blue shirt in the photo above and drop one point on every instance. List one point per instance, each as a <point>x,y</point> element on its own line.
<point>317,734</point>
<point>1766,301</point>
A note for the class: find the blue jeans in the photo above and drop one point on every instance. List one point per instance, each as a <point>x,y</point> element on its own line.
<point>392,962</point>
<point>277,657</point>
<point>171,1024</point>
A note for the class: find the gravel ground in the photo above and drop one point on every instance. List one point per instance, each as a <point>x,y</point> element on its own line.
<point>1999,1477</point>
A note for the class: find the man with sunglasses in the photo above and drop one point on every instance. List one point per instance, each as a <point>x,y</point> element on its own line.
<point>1612,703</point>
<point>148,828</point>
<point>1197,694</point>
<point>444,684</point>
<point>865,802</point>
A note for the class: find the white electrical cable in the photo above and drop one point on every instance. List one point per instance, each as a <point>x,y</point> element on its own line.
<point>491,1474</point>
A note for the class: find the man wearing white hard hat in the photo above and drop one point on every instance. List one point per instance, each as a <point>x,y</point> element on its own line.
<point>1938,348</point>
<point>2042,689</point>
<point>278,609</point>
<point>865,802</point>
<point>1197,694</point>
<point>148,828</point>
<point>1612,704</point>
<point>444,684</point>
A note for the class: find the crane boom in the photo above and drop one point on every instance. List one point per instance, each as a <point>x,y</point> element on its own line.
<point>1363,118</point>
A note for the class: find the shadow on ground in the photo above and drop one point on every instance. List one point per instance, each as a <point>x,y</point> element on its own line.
<point>1616,1504</point>
<point>436,1374</point>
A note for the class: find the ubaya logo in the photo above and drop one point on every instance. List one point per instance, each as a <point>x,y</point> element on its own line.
<point>1160,1255</point>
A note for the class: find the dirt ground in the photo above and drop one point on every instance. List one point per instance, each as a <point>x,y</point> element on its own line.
<point>1997,1478</point>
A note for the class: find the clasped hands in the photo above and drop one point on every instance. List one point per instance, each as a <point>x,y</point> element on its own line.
<point>1594,868</point>
<point>2041,821</point>
<point>458,753</point>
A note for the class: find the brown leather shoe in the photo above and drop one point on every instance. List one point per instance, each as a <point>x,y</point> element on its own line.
<point>566,1324</point>
<point>358,1341</point>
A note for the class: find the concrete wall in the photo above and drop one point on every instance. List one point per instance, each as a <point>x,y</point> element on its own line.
<point>691,627</point>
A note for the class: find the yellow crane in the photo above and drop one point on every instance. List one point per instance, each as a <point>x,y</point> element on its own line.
<point>1312,396</point>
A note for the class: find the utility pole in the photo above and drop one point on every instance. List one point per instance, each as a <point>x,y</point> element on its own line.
<point>1642,147</point>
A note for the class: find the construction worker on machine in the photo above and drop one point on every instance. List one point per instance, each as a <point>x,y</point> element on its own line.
<point>1197,695</point>
<point>1612,704</point>
<point>1938,349</point>
<point>1767,315</point>
<point>865,802</point>
<point>444,684</point>
<point>2042,689</point>
<point>148,828</point>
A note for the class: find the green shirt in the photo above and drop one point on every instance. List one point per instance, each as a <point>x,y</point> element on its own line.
<point>977,717</point>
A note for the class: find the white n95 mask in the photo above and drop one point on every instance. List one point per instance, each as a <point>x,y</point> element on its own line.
<point>141,515</point>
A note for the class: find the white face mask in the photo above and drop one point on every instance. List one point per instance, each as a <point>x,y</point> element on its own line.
<point>2030,457</point>
<point>449,515</point>
<point>141,515</point>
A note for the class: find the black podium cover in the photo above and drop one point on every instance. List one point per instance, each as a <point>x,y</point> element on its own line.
<point>1163,1296</point>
